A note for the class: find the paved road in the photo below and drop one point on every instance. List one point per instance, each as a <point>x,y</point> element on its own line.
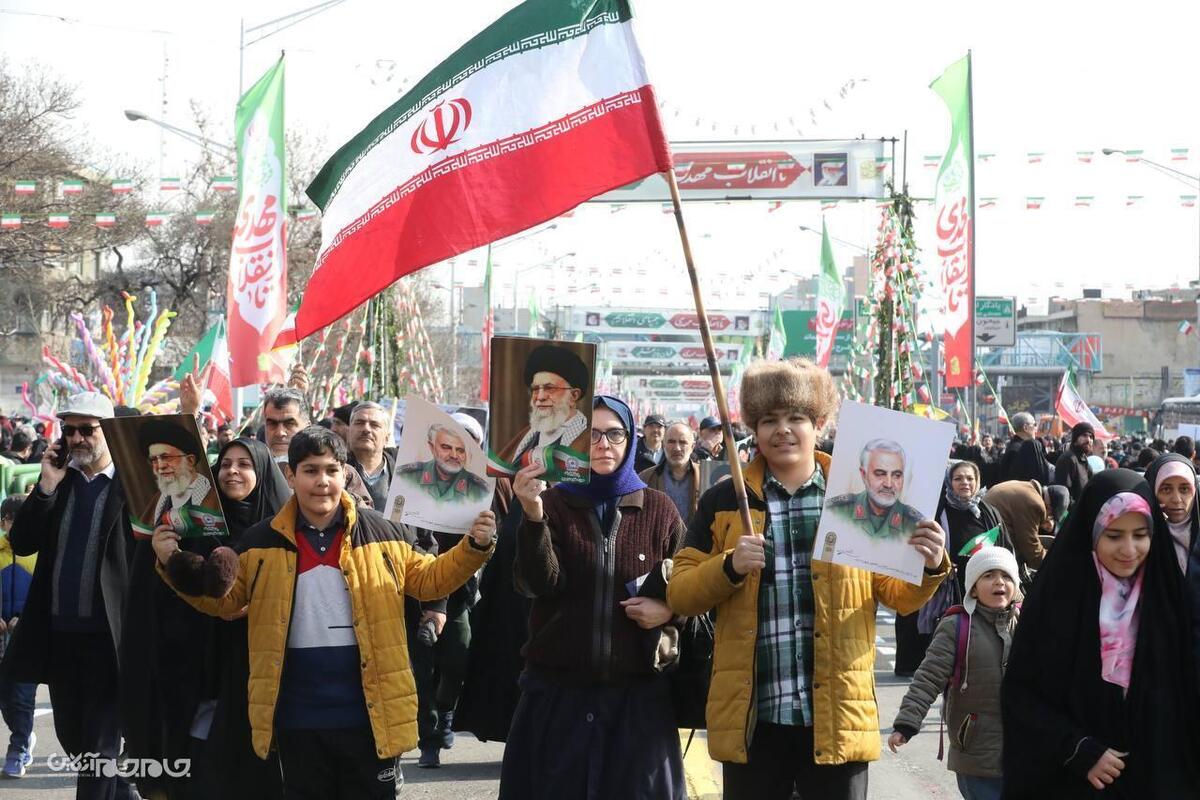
<point>471,771</point>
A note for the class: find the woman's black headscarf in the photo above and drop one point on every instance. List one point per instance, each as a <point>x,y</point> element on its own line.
<point>270,492</point>
<point>1191,584</point>
<point>1053,695</point>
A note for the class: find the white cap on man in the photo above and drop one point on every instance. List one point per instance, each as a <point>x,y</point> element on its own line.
<point>87,404</point>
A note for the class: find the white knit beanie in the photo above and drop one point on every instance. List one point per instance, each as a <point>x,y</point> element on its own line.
<point>986,559</point>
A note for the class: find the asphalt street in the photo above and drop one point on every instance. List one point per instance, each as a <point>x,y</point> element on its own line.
<point>471,770</point>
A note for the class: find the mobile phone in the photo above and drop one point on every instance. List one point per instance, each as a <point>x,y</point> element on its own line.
<point>64,453</point>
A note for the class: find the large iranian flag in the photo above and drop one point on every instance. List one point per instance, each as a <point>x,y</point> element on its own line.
<point>546,108</point>
<point>212,351</point>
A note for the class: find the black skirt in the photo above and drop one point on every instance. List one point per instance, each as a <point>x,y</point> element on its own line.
<point>592,742</point>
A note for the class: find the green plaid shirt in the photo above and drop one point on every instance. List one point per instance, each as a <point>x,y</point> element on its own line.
<point>784,648</point>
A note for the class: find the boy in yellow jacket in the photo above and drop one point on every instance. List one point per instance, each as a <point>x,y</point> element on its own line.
<point>323,585</point>
<point>792,699</point>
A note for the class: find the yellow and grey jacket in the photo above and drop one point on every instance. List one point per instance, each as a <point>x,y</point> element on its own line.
<point>380,568</point>
<point>846,718</point>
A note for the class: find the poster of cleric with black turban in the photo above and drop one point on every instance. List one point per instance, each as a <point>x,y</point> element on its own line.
<point>165,475</point>
<point>541,394</point>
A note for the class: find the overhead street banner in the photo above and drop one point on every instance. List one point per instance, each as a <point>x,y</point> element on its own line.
<point>624,353</point>
<point>650,321</point>
<point>840,169</point>
<point>638,383</point>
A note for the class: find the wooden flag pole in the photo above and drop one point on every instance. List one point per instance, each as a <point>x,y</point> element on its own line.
<point>735,466</point>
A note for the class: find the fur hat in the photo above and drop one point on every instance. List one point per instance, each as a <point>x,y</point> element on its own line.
<point>989,558</point>
<point>794,383</point>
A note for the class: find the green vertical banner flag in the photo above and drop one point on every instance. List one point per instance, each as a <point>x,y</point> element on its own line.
<point>954,211</point>
<point>257,291</point>
<point>831,300</point>
<point>489,330</point>
<point>778,342</point>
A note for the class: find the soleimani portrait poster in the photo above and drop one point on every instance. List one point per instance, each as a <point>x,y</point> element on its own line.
<point>886,476</point>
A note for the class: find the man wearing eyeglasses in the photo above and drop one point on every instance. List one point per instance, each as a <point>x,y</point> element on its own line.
<point>557,378</point>
<point>75,520</point>
<point>186,499</point>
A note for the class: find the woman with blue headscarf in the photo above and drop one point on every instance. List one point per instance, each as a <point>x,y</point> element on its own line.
<point>595,716</point>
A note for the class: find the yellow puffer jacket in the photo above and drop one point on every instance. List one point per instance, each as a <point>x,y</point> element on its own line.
<point>845,716</point>
<point>380,568</point>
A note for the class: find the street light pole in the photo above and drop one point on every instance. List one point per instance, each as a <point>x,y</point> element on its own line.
<point>190,136</point>
<point>1170,171</point>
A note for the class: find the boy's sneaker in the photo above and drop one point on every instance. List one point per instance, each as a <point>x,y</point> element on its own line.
<point>14,765</point>
<point>17,760</point>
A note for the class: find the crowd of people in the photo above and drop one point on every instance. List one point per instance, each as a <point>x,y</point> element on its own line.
<point>302,652</point>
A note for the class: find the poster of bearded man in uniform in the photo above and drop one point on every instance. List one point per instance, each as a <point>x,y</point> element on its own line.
<point>438,483</point>
<point>541,408</point>
<point>165,474</point>
<point>886,476</point>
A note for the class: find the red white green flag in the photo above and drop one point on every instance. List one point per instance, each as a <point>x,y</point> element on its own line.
<point>1186,327</point>
<point>977,543</point>
<point>305,214</point>
<point>1083,200</point>
<point>1084,156</point>
<point>224,183</point>
<point>122,185</point>
<point>205,217</point>
<point>169,184</point>
<point>932,161</point>
<point>25,187</point>
<point>1187,200</point>
<point>106,220</point>
<point>1133,155</point>
<point>213,353</point>
<point>1179,154</point>
<point>154,220</point>
<point>257,290</point>
<point>547,107</point>
<point>1034,158</point>
<point>987,202</point>
<point>1071,407</point>
<point>58,220</point>
<point>10,220</point>
<point>1133,199</point>
<point>70,187</point>
<point>1033,203</point>
<point>955,215</point>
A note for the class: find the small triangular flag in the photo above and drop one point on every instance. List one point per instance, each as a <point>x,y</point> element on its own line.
<point>977,543</point>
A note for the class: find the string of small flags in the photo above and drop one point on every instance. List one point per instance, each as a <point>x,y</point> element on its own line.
<point>1175,154</point>
<point>108,219</point>
<point>71,186</point>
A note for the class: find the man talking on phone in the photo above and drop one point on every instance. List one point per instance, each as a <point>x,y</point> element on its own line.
<point>75,520</point>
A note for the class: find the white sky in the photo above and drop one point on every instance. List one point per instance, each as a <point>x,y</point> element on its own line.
<point>1050,77</point>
